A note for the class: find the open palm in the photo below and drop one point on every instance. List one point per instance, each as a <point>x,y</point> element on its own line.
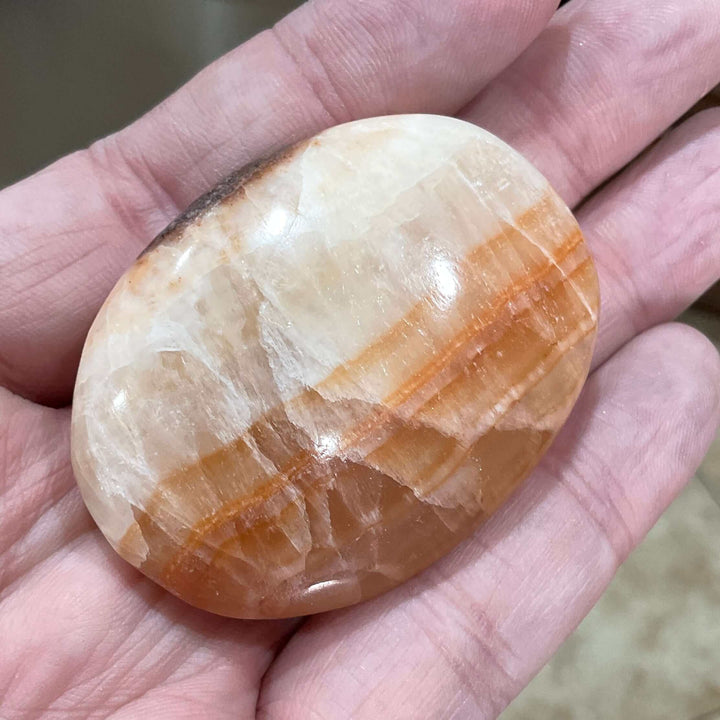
<point>82,634</point>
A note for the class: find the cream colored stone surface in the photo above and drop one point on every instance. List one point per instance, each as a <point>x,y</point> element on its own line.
<point>323,376</point>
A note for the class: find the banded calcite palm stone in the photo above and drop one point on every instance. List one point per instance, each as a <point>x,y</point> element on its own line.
<point>333,367</point>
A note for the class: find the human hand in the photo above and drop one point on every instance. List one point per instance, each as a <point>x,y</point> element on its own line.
<point>83,634</point>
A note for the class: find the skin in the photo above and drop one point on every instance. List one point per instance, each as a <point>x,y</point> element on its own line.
<point>581,94</point>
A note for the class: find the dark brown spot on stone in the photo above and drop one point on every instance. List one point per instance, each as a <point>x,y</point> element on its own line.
<point>227,189</point>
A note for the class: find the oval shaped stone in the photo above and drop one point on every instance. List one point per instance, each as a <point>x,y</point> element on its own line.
<point>333,367</point>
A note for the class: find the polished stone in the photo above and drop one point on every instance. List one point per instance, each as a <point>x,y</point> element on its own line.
<point>333,367</point>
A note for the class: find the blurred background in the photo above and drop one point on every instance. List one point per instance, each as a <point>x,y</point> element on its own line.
<point>74,70</point>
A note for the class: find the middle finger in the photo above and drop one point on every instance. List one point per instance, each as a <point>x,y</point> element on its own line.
<point>601,82</point>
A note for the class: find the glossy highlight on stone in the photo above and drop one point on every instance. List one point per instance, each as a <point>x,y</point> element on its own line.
<point>333,367</point>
